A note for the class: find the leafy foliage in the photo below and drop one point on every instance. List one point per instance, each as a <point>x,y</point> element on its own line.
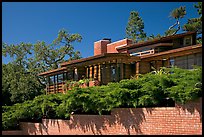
<point>20,77</point>
<point>152,36</point>
<point>148,91</point>
<point>170,32</point>
<point>18,85</point>
<point>186,84</point>
<point>69,84</point>
<point>195,24</point>
<point>178,13</point>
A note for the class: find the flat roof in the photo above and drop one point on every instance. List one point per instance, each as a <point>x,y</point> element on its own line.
<point>89,60</point>
<point>52,71</point>
<point>94,57</point>
<point>157,40</point>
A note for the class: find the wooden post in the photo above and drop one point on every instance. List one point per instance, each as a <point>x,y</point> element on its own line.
<point>47,85</point>
<point>99,72</point>
<point>95,72</point>
<point>54,84</point>
<point>87,72</point>
<point>137,69</point>
<point>90,72</point>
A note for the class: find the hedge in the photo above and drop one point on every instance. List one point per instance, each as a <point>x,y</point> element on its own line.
<point>149,90</point>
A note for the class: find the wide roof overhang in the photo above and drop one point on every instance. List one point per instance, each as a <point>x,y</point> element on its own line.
<point>156,40</point>
<point>101,59</point>
<point>105,58</point>
<point>173,53</point>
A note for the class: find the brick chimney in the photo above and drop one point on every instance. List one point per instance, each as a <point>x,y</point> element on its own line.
<point>111,48</point>
<point>100,46</point>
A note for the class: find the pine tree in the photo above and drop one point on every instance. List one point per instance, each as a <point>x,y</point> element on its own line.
<point>177,14</point>
<point>135,26</point>
<point>195,24</point>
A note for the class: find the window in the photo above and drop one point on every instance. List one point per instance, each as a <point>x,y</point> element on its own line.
<point>172,62</point>
<point>65,76</point>
<point>187,41</point>
<point>60,78</point>
<point>113,73</point>
<point>181,41</point>
<point>113,70</point>
<point>152,65</point>
<point>51,80</point>
<point>70,75</point>
<point>119,77</point>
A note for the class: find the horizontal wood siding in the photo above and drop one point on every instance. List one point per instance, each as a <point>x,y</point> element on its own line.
<point>144,67</point>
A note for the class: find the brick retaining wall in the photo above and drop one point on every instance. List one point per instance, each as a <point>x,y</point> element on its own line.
<point>181,119</point>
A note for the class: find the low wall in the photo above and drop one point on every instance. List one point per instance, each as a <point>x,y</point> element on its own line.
<point>181,120</point>
<point>13,132</point>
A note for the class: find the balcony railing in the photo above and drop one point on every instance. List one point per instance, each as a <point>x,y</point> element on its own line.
<point>62,87</point>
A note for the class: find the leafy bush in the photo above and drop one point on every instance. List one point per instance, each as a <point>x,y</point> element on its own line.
<point>148,91</point>
<point>188,84</point>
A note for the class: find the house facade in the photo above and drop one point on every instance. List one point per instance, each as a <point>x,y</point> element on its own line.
<point>114,61</point>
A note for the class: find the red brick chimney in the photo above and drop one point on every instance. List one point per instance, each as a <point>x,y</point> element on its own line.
<point>100,46</point>
<point>111,48</point>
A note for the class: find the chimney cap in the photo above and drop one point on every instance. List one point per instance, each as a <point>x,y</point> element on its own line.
<point>107,39</point>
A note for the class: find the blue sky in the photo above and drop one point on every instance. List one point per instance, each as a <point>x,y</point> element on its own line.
<point>30,22</point>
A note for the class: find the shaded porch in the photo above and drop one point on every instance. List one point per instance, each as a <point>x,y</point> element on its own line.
<point>99,69</point>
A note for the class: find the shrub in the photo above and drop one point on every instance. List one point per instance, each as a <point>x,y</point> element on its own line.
<point>149,90</point>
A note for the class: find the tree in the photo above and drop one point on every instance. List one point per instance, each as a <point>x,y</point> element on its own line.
<point>33,59</point>
<point>152,36</point>
<point>170,32</point>
<point>41,57</point>
<point>195,24</point>
<point>17,85</point>
<point>177,14</point>
<point>135,26</point>
<point>6,94</point>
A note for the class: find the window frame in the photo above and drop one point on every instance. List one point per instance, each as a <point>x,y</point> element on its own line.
<point>185,40</point>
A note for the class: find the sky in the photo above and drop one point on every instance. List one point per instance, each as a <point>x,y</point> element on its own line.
<point>30,22</point>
